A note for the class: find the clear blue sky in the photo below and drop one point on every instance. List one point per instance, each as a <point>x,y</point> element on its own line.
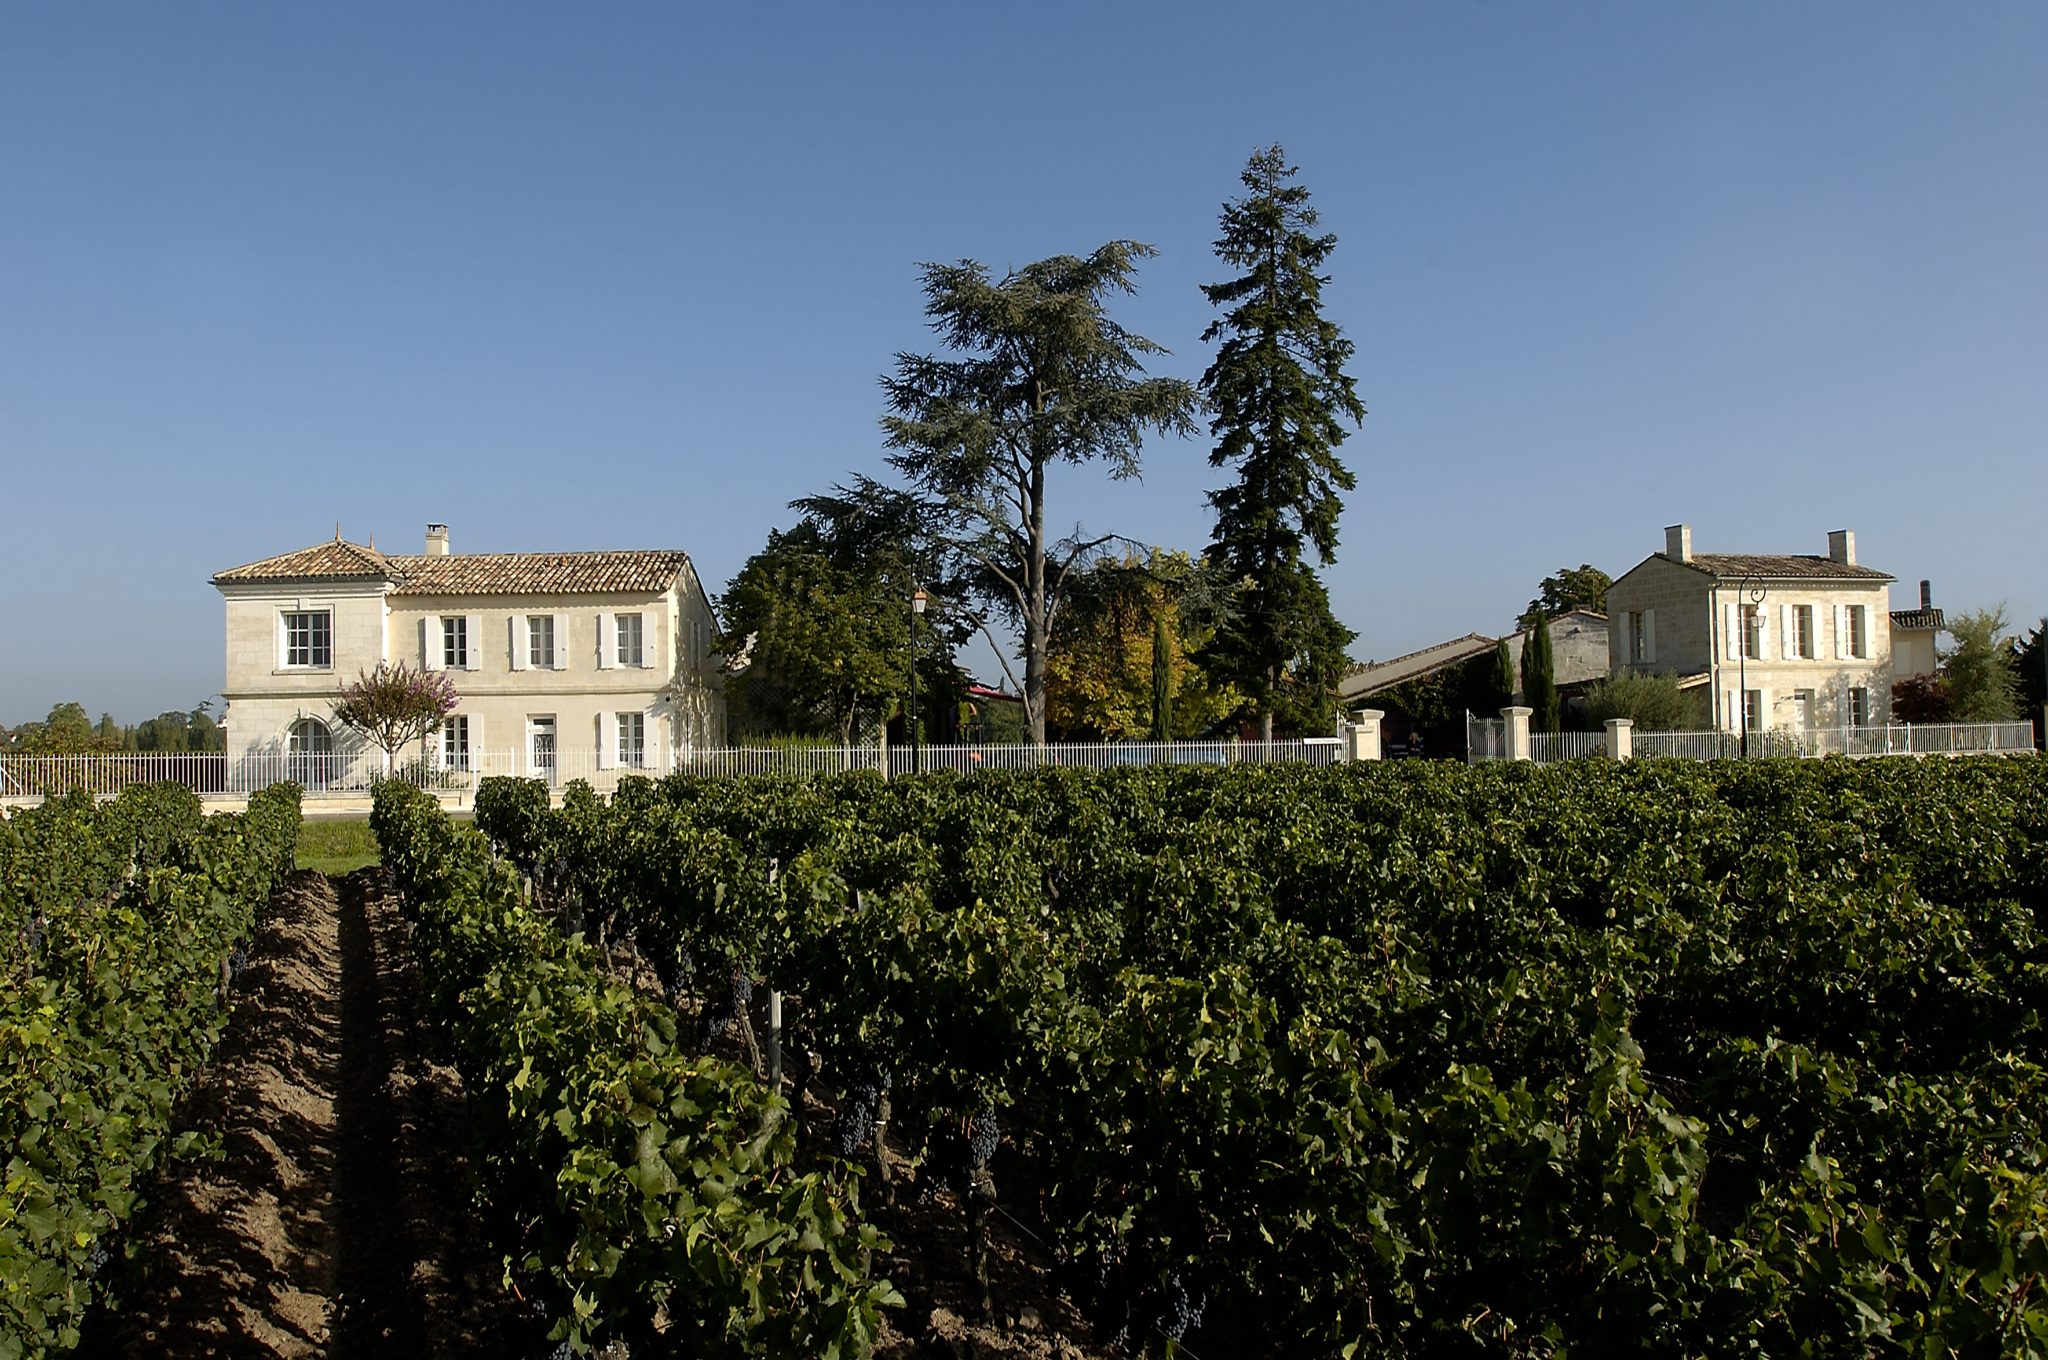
<point>626,275</point>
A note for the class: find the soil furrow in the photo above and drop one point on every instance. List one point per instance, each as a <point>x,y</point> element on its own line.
<point>336,1220</point>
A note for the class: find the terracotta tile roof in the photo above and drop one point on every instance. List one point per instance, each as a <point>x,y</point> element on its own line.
<point>1930,619</point>
<point>332,561</point>
<point>1783,566</point>
<point>575,573</point>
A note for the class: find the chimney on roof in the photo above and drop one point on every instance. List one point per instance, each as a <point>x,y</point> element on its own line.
<point>1678,542</point>
<point>1842,547</point>
<point>1926,595</point>
<point>437,540</point>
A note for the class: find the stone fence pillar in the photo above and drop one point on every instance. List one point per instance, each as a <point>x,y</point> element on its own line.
<point>1365,734</point>
<point>1517,718</point>
<point>1621,739</point>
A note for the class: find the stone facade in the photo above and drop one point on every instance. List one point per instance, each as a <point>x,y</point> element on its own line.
<point>416,610</point>
<point>1808,637</point>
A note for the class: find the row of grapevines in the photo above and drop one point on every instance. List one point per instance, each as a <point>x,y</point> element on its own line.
<point>1712,1058</point>
<point>655,1191</point>
<point>118,923</point>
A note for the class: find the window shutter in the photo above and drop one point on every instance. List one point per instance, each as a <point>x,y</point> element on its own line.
<point>473,642</point>
<point>561,642</point>
<point>646,642</point>
<point>1763,709</point>
<point>475,733</point>
<point>1620,645</point>
<point>520,641</point>
<point>607,740</point>
<point>1787,643</point>
<point>1859,634</point>
<point>1841,634</point>
<point>428,660</point>
<point>1732,634</point>
<point>1731,712</point>
<point>1763,634</point>
<point>1649,635</point>
<point>607,642</point>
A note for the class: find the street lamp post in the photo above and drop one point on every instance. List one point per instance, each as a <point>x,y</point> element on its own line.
<point>917,601</point>
<point>1750,604</point>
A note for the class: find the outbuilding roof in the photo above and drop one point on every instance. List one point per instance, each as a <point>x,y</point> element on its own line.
<point>1375,676</point>
<point>1930,619</point>
<point>570,573</point>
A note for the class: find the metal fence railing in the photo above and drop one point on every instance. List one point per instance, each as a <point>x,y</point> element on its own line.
<point>1545,747</point>
<point>1896,739</point>
<point>1485,738</point>
<point>1919,739</point>
<point>356,772</point>
<point>1687,745</point>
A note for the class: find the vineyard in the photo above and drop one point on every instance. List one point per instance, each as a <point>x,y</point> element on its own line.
<point>1371,1060</point>
<point>1379,1060</point>
<point>122,932</point>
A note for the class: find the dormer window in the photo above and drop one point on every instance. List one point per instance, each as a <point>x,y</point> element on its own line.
<point>309,639</point>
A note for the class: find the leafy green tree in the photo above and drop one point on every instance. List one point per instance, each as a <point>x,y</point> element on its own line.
<point>1102,680</point>
<point>1280,399</point>
<point>393,705</point>
<point>1581,587</point>
<point>1040,376</point>
<point>1654,703</point>
<point>1977,671</point>
<point>1539,679</point>
<point>820,629</point>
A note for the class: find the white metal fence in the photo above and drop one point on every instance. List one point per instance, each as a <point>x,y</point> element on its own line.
<point>1918,739</point>
<point>1545,747</point>
<point>1897,739</point>
<point>354,773</point>
<point>1687,745</point>
<point>1485,738</point>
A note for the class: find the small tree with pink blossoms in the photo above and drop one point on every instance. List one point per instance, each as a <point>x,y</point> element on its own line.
<point>395,705</point>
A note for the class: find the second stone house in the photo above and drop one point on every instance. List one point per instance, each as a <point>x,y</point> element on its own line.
<point>1778,640</point>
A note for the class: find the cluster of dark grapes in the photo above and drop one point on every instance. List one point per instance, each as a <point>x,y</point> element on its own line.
<point>959,1153</point>
<point>720,1015</point>
<point>856,1121</point>
<point>238,961</point>
<point>1178,1308</point>
<point>674,971</point>
<point>1102,1288</point>
<point>983,1134</point>
<point>38,932</point>
<point>1110,1293</point>
<point>96,1259</point>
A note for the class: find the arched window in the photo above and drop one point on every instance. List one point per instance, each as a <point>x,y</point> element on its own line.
<point>309,748</point>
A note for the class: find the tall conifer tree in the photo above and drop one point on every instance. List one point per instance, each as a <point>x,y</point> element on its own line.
<point>1539,679</point>
<point>1162,680</point>
<point>1280,399</point>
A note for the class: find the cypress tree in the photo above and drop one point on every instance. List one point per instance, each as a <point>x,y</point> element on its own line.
<point>1162,680</point>
<point>1503,679</point>
<point>1280,399</point>
<point>1539,679</point>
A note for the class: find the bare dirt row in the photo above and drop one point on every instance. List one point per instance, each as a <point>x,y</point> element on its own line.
<point>336,1220</point>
